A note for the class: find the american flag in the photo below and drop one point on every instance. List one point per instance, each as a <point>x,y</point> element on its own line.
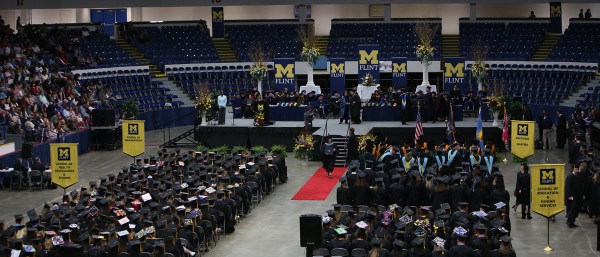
<point>419,126</point>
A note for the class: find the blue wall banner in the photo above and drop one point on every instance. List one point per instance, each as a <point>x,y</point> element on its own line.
<point>454,73</point>
<point>285,71</point>
<point>555,17</point>
<point>368,62</point>
<point>399,78</point>
<point>218,22</point>
<point>337,75</point>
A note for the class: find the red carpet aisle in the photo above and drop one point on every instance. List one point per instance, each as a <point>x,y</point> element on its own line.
<point>319,185</point>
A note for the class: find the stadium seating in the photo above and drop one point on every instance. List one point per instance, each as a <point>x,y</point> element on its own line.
<point>277,40</point>
<point>579,43</point>
<point>539,84</point>
<point>504,41</point>
<point>127,84</point>
<point>177,44</point>
<point>394,39</point>
<point>112,54</point>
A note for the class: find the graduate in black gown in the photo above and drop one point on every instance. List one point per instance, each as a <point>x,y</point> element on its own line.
<point>355,107</point>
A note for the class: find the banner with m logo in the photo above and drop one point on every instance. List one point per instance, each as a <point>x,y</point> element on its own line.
<point>285,73</point>
<point>337,74</point>
<point>399,72</point>
<point>454,73</point>
<point>368,62</point>
<point>218,22</point>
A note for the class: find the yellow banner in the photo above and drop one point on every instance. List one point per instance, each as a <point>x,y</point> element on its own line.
<point>522,138</point>
<point>547,189</point>
<point>133,137</point>
<point>64,164</point>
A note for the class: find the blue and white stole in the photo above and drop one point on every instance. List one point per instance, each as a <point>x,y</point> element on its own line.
<point>451,155</point>
<point>489,162</point>
<point>474,161</point>
<point>441,162</point>
<point>387,153</point>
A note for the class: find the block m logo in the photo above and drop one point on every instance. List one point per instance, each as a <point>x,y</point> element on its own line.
<point>217,16</point>
<point>399,68</point>
<point>457,70</point>
<point>337,68</point>
<point>523,129</point>
<point>288,71</point>
<point>368,58</point>
<point>133,129</point>
<point>547,176</point>
<point>555,10</point>
<point>64,153</point>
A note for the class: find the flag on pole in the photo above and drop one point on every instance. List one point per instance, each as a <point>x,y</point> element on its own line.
<point>479,130</point>
<point>505,136</point>
<point>450,125</point>
<point>419,126</point>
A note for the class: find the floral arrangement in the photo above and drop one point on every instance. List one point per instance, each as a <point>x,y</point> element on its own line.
<point>425,53</point>
<point>362,141</point>
<point>310,55</point>
<point>258,70</point>
<point>259,118</point>
<point>425,32</point>
<point>303,146</point>
<point>368,80</point>
<point>280,149</point>
<point>479,71</point>
<point>494,104</point>
<point>203,97</point>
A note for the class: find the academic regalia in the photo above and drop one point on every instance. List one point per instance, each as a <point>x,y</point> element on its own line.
<point>361,194</point>
<point>352,147</point>
<point>573,189</point>
<point>344,196</point>
<point>355,107</point>
<point>561,131</point>
<point>329,152</point>
<point>396,194</point>
<point>460,250</point>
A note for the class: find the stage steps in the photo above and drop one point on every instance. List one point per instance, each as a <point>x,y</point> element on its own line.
<point>545,48</point>
<point>188,135</point>
<point>176,91</point>
<point>322,42</point>
<point>140,58</point>
<point>450,46</point>
<point>340,142</point>
<point>224,50</point>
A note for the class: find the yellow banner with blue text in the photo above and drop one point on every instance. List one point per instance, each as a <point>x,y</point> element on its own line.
<point>547,189</point>
<point>64,164</point>
<point>133,137</point>
<point>522,138</point>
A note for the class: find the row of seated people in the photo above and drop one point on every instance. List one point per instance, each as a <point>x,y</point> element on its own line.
<point>171,204</point>
<point>326,105</point>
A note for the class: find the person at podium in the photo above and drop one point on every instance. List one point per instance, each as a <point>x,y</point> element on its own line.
<point>261,110</point>
<point>222,103</point>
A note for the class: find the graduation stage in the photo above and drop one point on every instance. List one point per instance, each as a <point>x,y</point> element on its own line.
<point>243,132</point>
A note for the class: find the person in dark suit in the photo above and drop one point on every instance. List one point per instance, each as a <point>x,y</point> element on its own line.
<point>428,107</point>
<point>355,106</point>
<point>522,190</point>
<point>352,147</point>
<point>574,196</point>
<point>561,130</point>
<point>547,128</point>
<point>404,106</point>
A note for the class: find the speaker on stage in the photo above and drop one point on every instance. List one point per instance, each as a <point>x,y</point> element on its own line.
<point>103,117</point>
<point>75,250</point>
<point>310,230</point>
<point>27,149</point>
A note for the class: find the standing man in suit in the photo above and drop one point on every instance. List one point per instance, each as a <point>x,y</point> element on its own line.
<point>574,196</point>
<point>561,130</point>
<point>428,105</point>
<point>547,128</point>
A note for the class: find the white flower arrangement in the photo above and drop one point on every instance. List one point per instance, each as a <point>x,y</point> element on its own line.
<point>310,55</point>
<point>258,71</point>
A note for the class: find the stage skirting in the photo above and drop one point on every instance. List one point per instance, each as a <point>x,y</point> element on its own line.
<point>248,136</point>
<point>168,118</point>
<point>42,150</point>
<point>398,136</point>
<point>390,113</point>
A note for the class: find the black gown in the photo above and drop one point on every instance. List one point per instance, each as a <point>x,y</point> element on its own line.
<point>352,148</point>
